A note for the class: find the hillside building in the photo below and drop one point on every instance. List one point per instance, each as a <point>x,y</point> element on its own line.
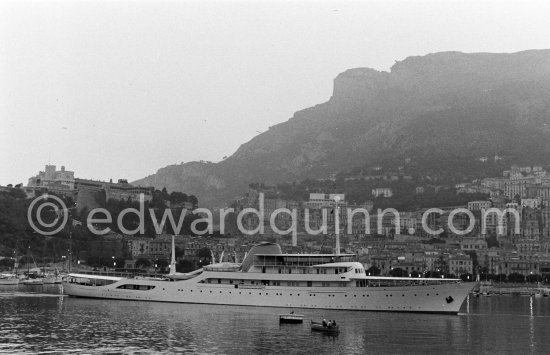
<point>382,192</point>
<point>53,179</point>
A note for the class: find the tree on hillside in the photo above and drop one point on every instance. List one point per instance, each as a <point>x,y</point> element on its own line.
<point>165,195</point>
<point>205,256</point>
<point>178,197</point>
<point>204,253</point>
<point>516,277</point>
<point>373,271</point>
<point>161,263</point>
<point>492,241</point>
<point>533,278</point>
<point>185,266</point>
<point>398,272</point>
<point>433,274</point>
<point>179,252</point>
<point>142,263</point>
<point>193,199</point>
<point>441,265</point>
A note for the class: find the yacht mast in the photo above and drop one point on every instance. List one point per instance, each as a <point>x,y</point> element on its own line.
<point>337,224</point>
<point>173,261</point>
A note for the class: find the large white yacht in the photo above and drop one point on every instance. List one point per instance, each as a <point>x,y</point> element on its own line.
<point>269,278</point>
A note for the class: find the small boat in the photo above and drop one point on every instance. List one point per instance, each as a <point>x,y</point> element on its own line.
<point>37,281</point>
<point>9,279</point>
<point>327,328</point>
<point>542,291</point>
<point>291,318</point>
<point>52,279</point>
<point>32,278</point>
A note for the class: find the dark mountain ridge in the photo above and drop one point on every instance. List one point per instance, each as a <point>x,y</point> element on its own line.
<point>440,106</point>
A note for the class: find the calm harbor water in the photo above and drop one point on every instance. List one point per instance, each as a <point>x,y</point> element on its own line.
<point>39,319</point>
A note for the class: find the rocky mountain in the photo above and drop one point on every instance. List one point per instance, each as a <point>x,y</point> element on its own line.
<point>435,108</point>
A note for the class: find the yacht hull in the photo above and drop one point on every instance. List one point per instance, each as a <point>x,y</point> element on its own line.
<point>439,298</point>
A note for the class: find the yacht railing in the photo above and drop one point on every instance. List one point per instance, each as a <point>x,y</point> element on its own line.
<point>127,275</point>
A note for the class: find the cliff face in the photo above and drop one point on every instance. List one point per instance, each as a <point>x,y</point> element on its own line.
<point>437,106</point>
<point>195,178</point>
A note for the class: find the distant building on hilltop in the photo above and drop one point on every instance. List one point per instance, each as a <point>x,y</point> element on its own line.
<point>63,182</point>
<point>52,178</point>
<point>121,190</point>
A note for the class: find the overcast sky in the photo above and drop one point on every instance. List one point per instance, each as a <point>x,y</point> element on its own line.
<point>115,89</point>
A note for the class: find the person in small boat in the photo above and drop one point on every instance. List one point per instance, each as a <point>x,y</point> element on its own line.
<point>334,323</point>
<point>324,322</point>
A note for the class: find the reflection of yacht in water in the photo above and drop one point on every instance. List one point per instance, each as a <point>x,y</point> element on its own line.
<point>267,277</point>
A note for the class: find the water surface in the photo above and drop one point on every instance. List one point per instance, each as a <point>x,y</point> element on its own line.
<point>40,319</point>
